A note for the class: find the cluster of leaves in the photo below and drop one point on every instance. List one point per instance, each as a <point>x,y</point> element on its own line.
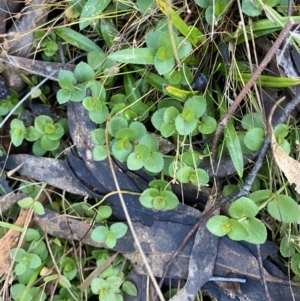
<point>215,10</point>
<point>243,225</point>
<point>159,196</point>
<point>9,103</point>
<point>29,260</point>
<point>45,134</point>
<point>111,283</point>
<point>109,235</point>
<point>48,43</point>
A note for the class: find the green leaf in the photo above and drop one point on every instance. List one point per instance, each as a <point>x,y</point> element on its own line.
<point>104,212</point>
<point>191,158</point>
<point>164,53</point>
<point>257,232</point>
<point>84,72</point>
<point>79,93</point>
<point>218,225</point>
<point>91,9</point>
<point>171,200</point>
<point>114,282</point>
<point>41,122</point>
<point>17,132</point>
<point>190,32</point>
<point>150,141</point>
<point>254,139</point>
<point>66,80</point>
<point>92,103</point>
<point>281,131</point>
<point>251,121</point>
<point>188,114</point>
<point>154,162</point>
<point>119,229</point>
<point>17,290</point>
<point>142,151</point>
<point>199,177</point>
<point>184,127</point>
<point>116,124</point>
<point>185,48</point>
<point>99,153</point>
<point>20,268</point>
<point>96,59</point>
<point>58,132</point>
<point>26,202</point>
<point>18,254</point>
<point>139,128</point>
<point>121,149</point>
<point>128,134</point>
<point>295,263</point>
<point>37,148</point>
<point>143,56</point>
<point>34,261</point>
<point>288,245</point>
<point>208,125</point>
<point>111,239</point>
<point>48,144</point>
<point>99,117</point>
<point>147,197</point>
<point>97,89</point>
<point>283,208</point>
<point>32,235</point>
<point>237,232</point>
<point>157,118</point>
<point>38,208</point>
<point>260,196</point>
<point>159,202</point>
<point>98,284</point>
<point>99,234</point>
<point>183,174</point>
<point>233,145</point>
<point>134,161</point>
<point>250,9</point>
<point>77,39</point>
<point>243,207</point>
<point>128,287</point>
<point>98,136</point>
<point>164,66</point>
<point>63,96</point>
<point>32,134</point>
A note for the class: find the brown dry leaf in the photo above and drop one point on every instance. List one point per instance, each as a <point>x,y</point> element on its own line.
<point>289,166</point>
<point>10,240</point>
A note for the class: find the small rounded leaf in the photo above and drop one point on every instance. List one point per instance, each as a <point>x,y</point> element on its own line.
<point>243,207</point>
<point>254,139</point>
<point>119,229</point>
<point>218,225</point>
<point>257,232</point>
<point>237,232</point>
<point>283,208</point>
<point>129,288</point>
<point>99,234</point>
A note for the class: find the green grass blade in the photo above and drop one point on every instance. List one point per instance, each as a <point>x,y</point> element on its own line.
<point>77,39</point>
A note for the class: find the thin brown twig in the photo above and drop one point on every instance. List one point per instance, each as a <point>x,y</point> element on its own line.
<point>262,274</point>
<point>283,34</point>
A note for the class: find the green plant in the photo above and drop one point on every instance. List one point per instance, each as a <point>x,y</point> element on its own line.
<point>29,202</point>
<point>111,284</point>
<point>109,235</point>
<point>24,260</point>
<point>243,225</point>
<point>45,134</point>
<point>214,10</point>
